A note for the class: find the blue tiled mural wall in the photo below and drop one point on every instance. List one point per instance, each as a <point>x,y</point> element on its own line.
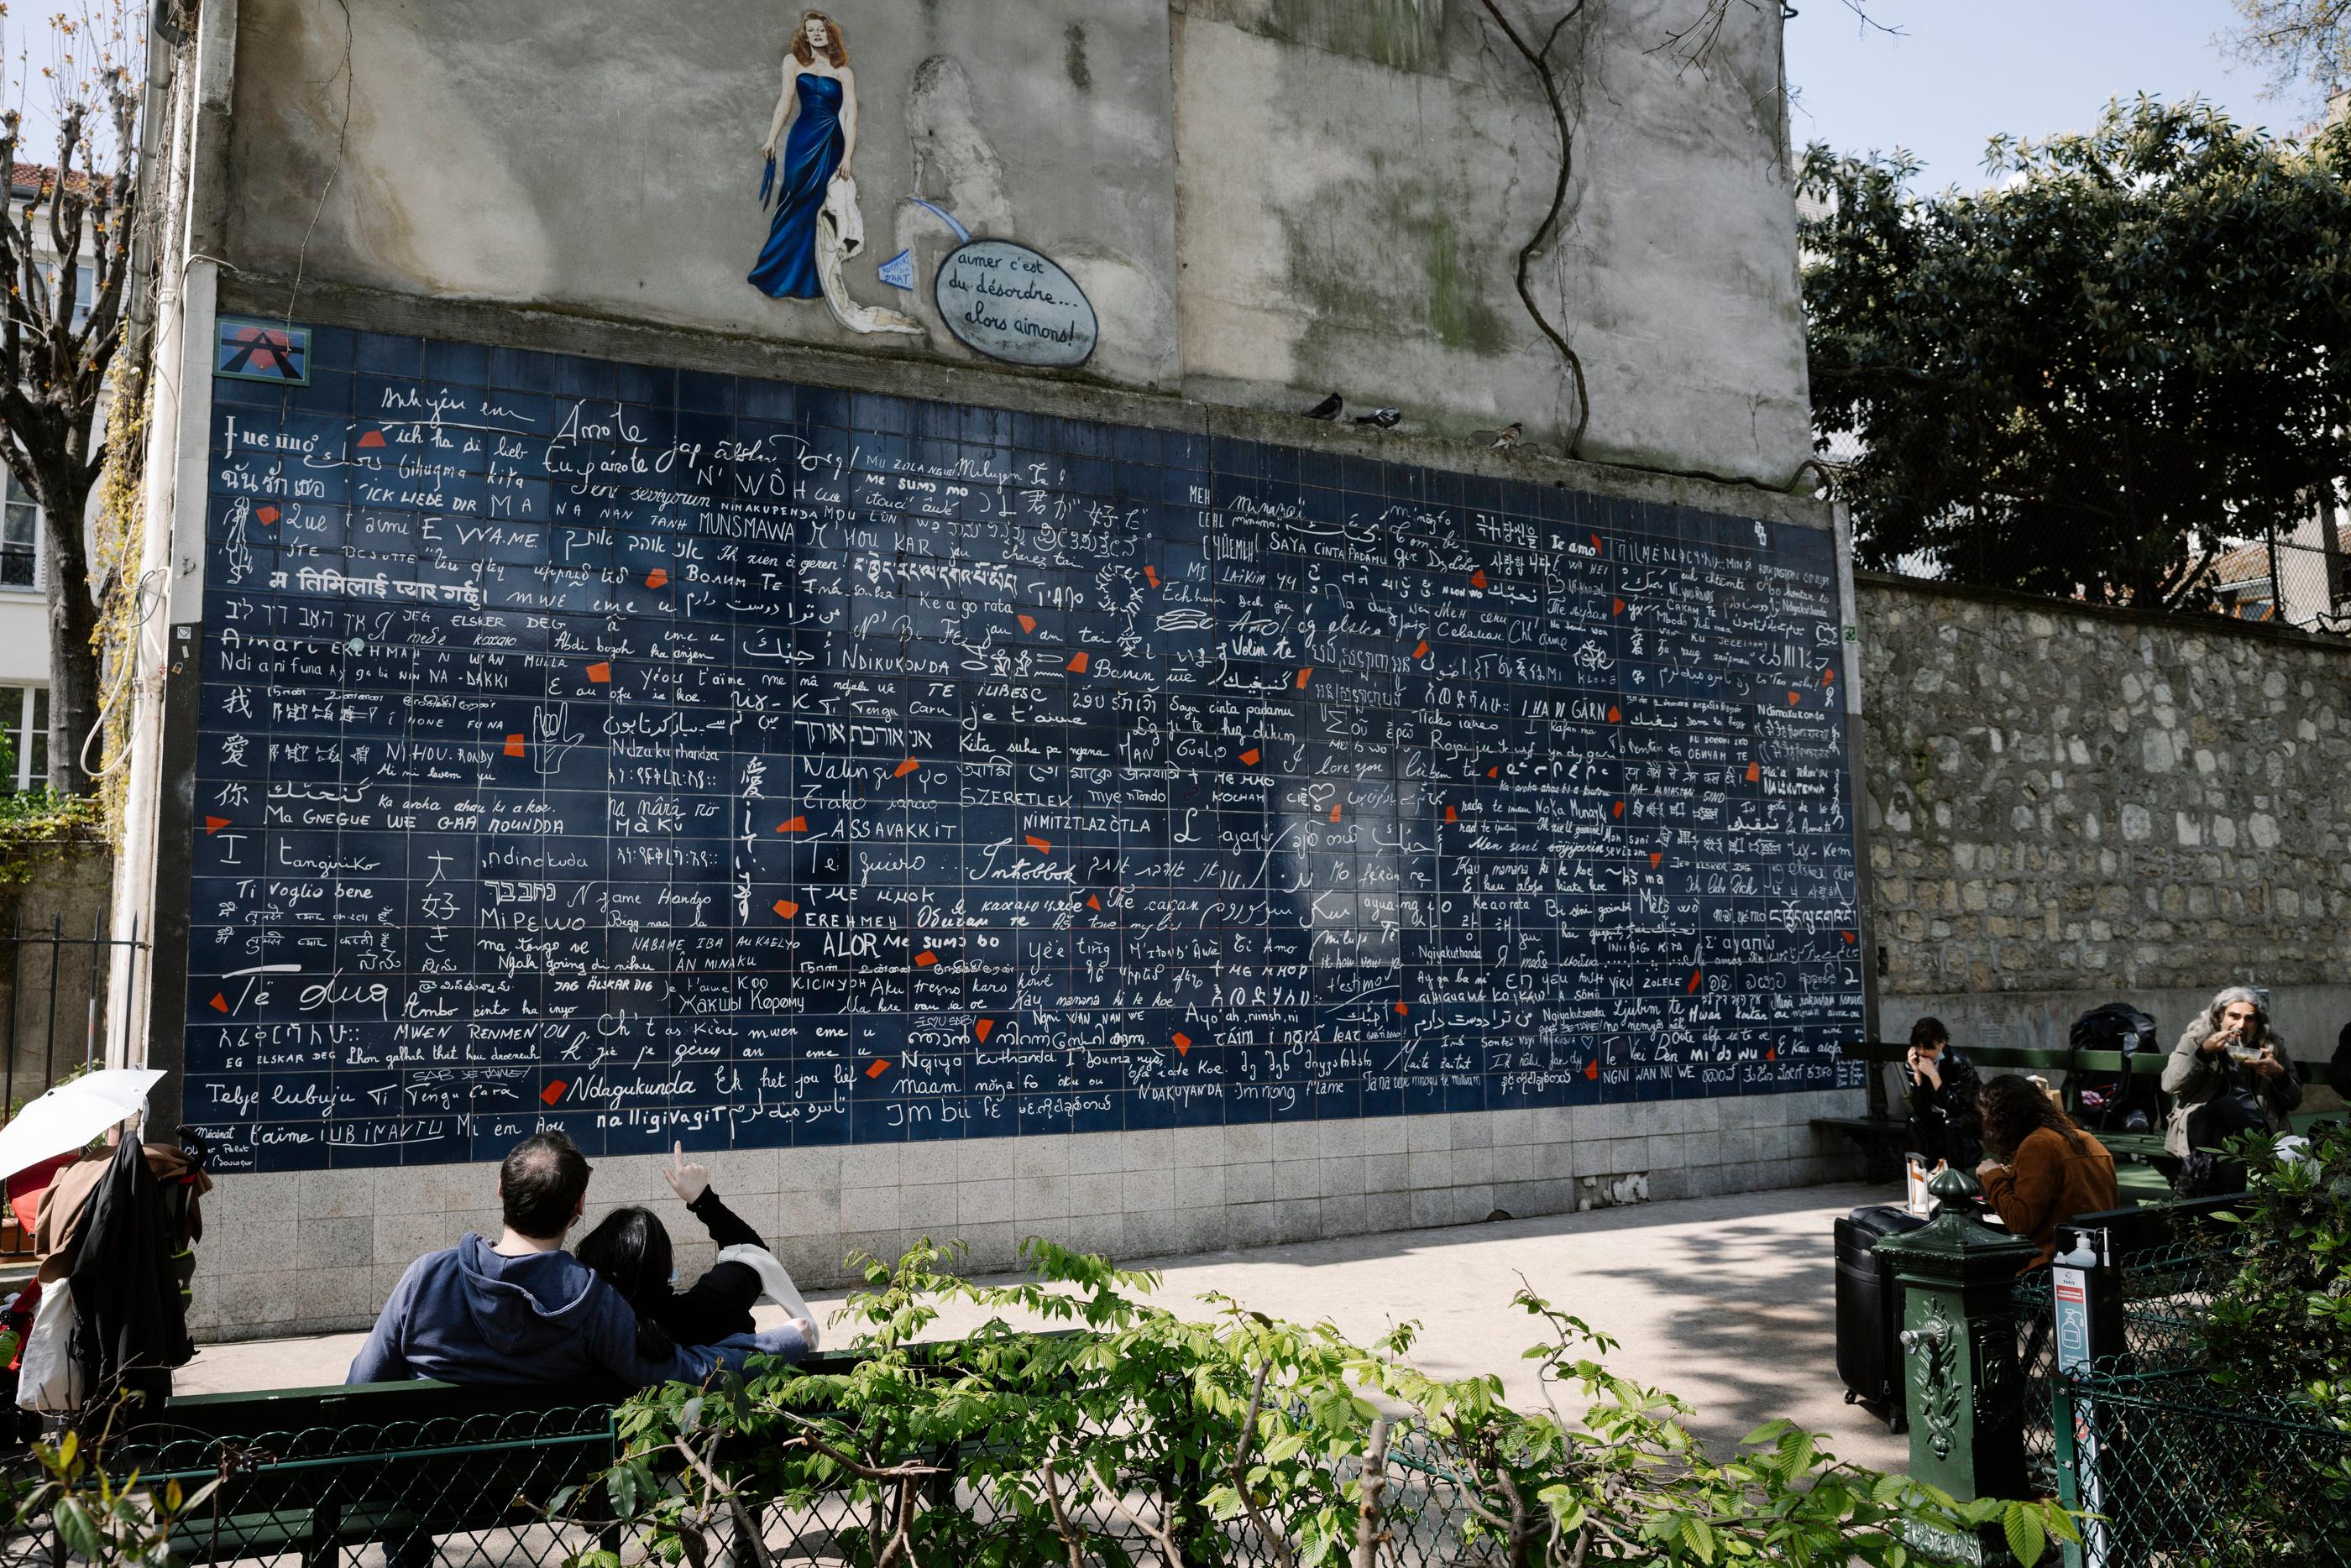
<point>664,756</point>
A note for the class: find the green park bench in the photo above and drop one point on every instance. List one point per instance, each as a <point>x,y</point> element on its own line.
<point>312,1471</point>
<point>1882,1136</point>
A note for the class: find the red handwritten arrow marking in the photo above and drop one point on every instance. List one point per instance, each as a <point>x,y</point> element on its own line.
<point>925,959</point>
<point>787,908</point>
<point>214,824</point>
<point>880,1065</point>
<point>371,441</point>
<point>982,1028</point>
<point>514,745</point>
<point>600,673</point>
<point>1039,844</point>
<point>1183,1044</point>
<point>909,766</point>
<point>266,514</point>
<point>554,1090</point>
<point>657,577</point>
<point>1250,757</point>
<point>219,1003</point>
<point>1080,660</point>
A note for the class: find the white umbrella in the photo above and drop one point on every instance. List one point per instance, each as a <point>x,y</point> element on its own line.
<point>70,1114</point>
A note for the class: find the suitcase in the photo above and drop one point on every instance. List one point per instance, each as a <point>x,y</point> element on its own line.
<point>1869,1312</point>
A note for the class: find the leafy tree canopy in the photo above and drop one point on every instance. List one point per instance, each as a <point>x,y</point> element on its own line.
<point>2077,379</point>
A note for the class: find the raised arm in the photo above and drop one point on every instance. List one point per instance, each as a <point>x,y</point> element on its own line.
<point>2191,1063</point>
<point>727,1228</point>
<point>848,120</point>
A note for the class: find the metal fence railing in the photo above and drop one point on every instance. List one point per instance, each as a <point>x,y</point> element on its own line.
<point>529,1488</point>
<point>2185,1472</point>
<point>53,990</point>
<point>2182,1471</point>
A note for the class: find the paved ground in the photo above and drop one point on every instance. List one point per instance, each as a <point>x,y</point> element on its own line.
<point>1729,1301</point>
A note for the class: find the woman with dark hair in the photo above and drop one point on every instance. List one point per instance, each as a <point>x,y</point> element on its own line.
<point>1942,1089</point>
<point>630,1247</point>
<point>2043,1170</point>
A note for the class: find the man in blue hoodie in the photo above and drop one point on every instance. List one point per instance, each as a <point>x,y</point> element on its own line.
<point>526,1311</point>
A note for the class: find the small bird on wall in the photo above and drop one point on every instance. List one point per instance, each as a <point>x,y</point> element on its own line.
<point>1328,409</point>
<point>1503,439</point>
<point>1380,418</point>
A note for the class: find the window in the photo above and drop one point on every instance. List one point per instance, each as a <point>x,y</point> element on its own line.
<point>24,726</point>
<point>20,540</point>
<point>85,290</point>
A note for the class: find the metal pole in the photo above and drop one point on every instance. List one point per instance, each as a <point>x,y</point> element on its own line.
<point>130,990</point>
<point>16,972</point>
<point>50,1055</point>
<point>90,991</point>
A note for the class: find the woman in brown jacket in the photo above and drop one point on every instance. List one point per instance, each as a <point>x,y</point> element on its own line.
<point>2043,1170</point>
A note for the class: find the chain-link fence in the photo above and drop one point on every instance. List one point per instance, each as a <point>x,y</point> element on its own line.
<point>2165,1289</point>
<point>531,1488</point>
<point>2183,1471</point>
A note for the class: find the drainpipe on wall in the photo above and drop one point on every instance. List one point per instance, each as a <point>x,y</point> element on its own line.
<point>171,562</point>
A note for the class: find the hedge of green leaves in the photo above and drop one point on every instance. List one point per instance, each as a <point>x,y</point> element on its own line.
<point>1126,1431</point>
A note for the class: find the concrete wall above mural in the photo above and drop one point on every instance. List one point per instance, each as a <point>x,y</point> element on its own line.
<point>1259,201</point>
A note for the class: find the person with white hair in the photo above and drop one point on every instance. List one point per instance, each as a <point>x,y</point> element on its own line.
<point>2230,1052</point>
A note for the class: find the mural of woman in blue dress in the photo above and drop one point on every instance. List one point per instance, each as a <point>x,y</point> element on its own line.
<point>818,85</point>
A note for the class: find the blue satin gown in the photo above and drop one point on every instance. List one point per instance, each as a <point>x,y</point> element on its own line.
<point>812,153</point>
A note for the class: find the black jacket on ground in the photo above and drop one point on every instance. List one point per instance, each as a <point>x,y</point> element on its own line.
<point>718,1304</point>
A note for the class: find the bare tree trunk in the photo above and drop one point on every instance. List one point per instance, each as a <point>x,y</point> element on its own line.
<point>1369,1526</point>
<point>73,666</point>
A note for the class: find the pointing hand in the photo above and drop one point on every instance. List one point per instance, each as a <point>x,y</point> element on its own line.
<point>688,1181</point>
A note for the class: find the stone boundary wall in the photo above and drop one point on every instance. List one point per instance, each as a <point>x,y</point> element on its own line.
<point>2068,805</point>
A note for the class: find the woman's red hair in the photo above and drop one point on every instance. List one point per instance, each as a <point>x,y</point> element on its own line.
<point>836,48</point>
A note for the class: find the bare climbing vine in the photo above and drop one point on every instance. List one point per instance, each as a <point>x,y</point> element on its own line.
<point>1540,61</point>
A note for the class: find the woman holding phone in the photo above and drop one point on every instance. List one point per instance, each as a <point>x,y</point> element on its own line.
<point>2229,1051</point>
